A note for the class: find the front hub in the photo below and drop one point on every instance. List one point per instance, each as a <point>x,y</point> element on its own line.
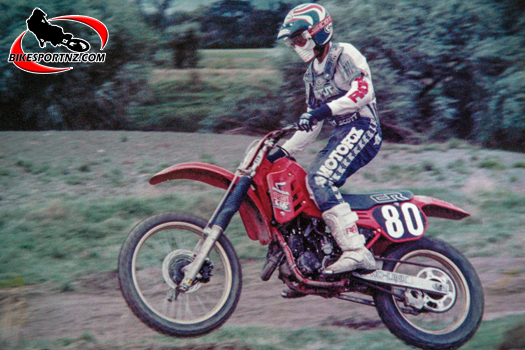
<point>173,269</point>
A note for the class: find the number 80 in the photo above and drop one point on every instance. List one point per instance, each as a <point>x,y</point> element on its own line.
<point>411,217</point>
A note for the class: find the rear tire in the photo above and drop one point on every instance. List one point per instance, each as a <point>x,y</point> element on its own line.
<point>78,45</point>
<point>150,266</point>
<point>455,318</point>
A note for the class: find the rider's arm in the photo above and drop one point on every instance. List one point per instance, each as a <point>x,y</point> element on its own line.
<point>360,94</point>
<point>360,90</point>
<point>301,139</point>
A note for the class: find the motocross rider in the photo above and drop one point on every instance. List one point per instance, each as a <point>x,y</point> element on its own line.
<point>338,91</point>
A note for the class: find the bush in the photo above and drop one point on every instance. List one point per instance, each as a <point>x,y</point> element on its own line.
<point>93,96</point>
<point>443,69</point>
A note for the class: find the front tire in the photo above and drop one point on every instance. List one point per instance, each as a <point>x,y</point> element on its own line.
<point>151,263</point>
<point>446,322</point>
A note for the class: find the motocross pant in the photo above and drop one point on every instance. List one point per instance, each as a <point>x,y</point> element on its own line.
<point>350,147</point>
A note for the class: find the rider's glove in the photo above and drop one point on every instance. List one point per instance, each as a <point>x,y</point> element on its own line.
<point>306,122</point>
<point>309,119</point>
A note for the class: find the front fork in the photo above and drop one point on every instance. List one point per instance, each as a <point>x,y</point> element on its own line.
<point>229,205</point>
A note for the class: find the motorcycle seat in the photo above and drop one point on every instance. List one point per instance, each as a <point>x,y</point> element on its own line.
<point>369,200</point>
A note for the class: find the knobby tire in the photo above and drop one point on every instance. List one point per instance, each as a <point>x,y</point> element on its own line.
<point>146,309</point>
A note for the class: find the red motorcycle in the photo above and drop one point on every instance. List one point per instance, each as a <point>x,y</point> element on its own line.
<point>181,276</point>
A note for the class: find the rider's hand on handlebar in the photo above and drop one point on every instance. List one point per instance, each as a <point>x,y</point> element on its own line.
<point>306,122</point>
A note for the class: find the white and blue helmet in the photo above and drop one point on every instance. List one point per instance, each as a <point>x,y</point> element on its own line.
<point>306,26</point>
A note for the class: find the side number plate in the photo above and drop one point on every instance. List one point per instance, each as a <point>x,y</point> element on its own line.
<point>401,220</point>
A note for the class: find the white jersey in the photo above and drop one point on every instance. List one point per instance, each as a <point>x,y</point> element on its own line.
<point>358,93</point>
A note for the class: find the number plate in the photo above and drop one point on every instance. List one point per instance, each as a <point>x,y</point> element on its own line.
<point>401,221</point>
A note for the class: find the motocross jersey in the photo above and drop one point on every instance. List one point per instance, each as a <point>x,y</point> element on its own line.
<point>343,82</point>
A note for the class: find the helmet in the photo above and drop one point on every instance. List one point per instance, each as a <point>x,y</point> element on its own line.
<point>305,27</point>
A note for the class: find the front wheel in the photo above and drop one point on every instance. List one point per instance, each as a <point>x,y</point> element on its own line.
<point>425,320</point>
<point>151,265</point>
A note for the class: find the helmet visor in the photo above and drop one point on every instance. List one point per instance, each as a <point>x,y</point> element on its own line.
<point>299,39</point>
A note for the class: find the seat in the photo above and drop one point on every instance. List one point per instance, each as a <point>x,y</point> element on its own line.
<point>369,200</point>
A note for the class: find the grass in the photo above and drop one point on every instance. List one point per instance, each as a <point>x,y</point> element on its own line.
<point>238,59</point>
<point>65,238</point>
<point>491,335</point>
<point>187,100</point>
<point>492,163</point>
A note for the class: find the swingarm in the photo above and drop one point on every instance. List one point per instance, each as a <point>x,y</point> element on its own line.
<point>405,281</point>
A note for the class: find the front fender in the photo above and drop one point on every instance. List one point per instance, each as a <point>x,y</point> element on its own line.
<point>438,208</point>
<point>252,215</point>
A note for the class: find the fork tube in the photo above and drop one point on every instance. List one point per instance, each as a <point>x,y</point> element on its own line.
<point>233,202</point>
<point>220,220</point>
<point>193,269</point>
<point>223,199</point>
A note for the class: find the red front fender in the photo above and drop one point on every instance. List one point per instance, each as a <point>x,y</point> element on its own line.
<point>253,218</point>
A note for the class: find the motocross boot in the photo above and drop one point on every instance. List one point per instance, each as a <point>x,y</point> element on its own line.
<point>342,223</point>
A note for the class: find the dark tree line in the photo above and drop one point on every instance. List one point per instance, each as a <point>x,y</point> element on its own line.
<point>441,69</point>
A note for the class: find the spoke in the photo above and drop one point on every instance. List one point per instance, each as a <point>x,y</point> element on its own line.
<point>179,307</point>
<point>188,308</point>
<point>172,309</point>
<point>168,244</point>
<point>157,246</point>
<point>203,307</point>
<point>165,306</point>
<point>154,290</point>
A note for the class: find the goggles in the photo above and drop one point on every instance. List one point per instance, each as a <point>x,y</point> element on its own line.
<point>299,40</point>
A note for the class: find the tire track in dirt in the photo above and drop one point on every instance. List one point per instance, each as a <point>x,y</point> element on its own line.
<point>96,306</point>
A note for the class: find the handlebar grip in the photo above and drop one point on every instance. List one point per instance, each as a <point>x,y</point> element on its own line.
<point>290,127</point>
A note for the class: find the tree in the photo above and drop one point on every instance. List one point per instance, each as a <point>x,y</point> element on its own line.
<point>443,69</point>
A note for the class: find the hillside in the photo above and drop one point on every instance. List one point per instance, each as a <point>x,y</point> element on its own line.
<point>68,200</point>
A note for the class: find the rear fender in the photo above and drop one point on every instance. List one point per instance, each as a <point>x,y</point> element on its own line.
<point>433,207</point>
<point>253,218</point>
<point>400,222</point>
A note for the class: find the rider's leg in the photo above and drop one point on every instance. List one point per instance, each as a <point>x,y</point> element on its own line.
<point>342,223</point>
<point>350,148</point>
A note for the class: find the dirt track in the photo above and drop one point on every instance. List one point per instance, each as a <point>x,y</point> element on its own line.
<point>97,307</point>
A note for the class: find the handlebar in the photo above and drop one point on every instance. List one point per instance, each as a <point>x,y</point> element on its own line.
<point>278,134</point>
<point>253,155</point>
<point>291,127</point>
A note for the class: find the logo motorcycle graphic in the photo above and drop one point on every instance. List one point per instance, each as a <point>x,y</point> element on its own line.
<point>45,33</point>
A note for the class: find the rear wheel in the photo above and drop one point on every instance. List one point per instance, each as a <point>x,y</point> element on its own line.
<point>426,320</point>
<point>78,45</point>
<point>151,265</point>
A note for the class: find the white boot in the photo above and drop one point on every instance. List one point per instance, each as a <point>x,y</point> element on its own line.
<point>342,223</point>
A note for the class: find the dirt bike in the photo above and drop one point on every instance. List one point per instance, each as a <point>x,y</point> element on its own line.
<point>181,275</point>
<point>46,32</point>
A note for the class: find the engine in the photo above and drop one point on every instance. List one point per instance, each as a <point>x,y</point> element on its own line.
<point>312,247</point>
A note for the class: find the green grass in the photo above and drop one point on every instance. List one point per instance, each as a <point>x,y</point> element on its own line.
<point>492,163</point>
<point>64,239</point>
<point>498,217</point>
<point>460,166</point>
<point>189,100</point>
<point>490,336</point>
<point>237,59</point>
